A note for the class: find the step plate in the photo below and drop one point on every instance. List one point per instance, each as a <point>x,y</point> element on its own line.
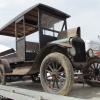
<point>20,71</point>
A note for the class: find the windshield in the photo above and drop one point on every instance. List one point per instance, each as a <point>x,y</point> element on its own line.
<point>51,22</point>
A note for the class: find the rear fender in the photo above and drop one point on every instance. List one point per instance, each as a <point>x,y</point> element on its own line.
<point>6,65</point>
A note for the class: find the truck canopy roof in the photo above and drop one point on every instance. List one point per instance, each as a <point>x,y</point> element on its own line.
<point>31,20</point>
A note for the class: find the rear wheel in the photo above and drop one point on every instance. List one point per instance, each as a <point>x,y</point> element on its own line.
<point>56,74</point>
<point>93,72</point>
<point>2,75</point>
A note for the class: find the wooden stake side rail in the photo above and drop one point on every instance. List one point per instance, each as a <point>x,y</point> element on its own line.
<point>24,94</point>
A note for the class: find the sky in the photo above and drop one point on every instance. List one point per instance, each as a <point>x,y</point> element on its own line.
<point>3,48</point>
<point>84,13</point>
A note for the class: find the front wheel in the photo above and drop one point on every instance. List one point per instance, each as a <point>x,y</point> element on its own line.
<point>56,74</point>
<point>93,73</point>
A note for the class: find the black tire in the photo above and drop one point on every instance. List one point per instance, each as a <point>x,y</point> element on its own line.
<point>2,75</point>
<point>93,68</point>
<point>35,78</point>
<point>60,73</point>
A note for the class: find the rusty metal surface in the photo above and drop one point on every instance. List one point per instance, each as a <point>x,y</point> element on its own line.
<point>69,33</point>
<point>34,69</point>
<point>12,58</point>
<point>6,65</point>
<point>20,71</point>
<point>64,45</point>
<point>73,32</point>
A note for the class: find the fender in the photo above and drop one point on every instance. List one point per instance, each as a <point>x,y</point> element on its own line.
<point>45,51</point>
<point>6,65</point>
<point>95,57</point>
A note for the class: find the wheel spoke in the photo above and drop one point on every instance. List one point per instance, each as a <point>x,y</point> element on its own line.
<point>61,72</point>
<point>61,77</point>
<point>48,71</point>
<point>60,82</point>
<point>53,65</point>
<point>49,81</point>
<point>94,65</point>
<point>57,83</point>
<point>50,68</point>
<point>53,82</point>
<point>94,77</point>
<point>48,76</point>
<point>56,65</point>
<point>91,67</point>
<point>59,68</point>
<point>97,65</point>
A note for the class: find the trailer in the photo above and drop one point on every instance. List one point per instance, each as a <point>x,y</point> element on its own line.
<point>53,60</point>
<point>24,94</point>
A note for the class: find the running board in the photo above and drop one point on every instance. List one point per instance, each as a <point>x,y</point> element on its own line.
<point>19,71</point>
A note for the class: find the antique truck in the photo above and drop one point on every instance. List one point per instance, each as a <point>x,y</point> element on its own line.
<point>54,59</point>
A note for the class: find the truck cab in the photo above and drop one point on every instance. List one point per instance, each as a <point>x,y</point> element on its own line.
<point>53,60</point>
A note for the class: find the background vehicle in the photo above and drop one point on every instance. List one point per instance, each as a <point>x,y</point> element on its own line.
<point>56,56</point>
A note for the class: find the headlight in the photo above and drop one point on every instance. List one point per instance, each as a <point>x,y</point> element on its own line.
<point>90,53</point>
<point>72,51</point>
<point>70,40</point>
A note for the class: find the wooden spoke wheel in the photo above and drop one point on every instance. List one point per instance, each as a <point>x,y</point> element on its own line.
<point>56,74</point>
<point>93,72</point>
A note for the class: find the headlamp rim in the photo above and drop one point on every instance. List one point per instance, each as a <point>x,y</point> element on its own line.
<point>88,53</point>
<point>71,53</point>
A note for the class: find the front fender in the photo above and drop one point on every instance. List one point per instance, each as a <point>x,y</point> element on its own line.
<point>95,57</point>
<point>65,45</point>
<point>47,50</point>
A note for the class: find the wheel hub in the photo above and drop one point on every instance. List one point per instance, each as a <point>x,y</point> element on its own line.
<point>54,73</point>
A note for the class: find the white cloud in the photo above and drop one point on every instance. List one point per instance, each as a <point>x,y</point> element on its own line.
<point>84,13</point>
